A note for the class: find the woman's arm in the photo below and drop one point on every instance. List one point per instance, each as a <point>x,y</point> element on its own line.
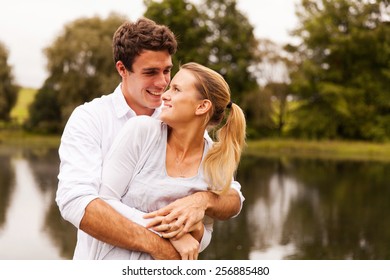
<point>201,232</point>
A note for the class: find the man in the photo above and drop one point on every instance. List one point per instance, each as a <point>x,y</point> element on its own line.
<point>142,54</point>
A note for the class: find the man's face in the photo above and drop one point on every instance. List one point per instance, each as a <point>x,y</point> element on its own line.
<point>144,86</point>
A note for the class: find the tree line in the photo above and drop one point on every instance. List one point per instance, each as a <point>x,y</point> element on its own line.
<point>333,84</point>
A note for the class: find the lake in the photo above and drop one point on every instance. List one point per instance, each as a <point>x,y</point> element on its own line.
<point>295,208</point>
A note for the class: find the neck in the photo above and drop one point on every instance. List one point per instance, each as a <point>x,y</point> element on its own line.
<point>184,152</point>
<point>185,147</point>
<point>185,142</point>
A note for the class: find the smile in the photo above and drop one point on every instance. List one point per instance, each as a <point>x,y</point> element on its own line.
<point>167,105</point>
<point>154,93</point>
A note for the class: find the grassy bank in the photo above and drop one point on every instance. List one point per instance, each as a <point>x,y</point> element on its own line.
<point>320,149</point>
<point>19,112</point>
<point>12,135</point>
<point>19,138</point>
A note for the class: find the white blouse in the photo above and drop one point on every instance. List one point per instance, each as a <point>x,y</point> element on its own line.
<point>134,174</point>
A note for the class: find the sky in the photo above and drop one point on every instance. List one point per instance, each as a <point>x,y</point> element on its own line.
<point>29,26</point>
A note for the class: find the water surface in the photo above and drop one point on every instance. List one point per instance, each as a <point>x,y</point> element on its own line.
<point>294,209</point>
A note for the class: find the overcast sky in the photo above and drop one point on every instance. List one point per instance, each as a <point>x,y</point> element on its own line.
<point>28,26</point>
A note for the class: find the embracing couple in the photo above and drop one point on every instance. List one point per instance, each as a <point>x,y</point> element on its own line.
<point>139,175</point>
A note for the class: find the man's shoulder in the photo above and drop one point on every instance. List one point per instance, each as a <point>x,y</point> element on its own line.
<point>101,101</point>
<point>98,105</point>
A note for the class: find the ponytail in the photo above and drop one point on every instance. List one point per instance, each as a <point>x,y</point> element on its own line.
<point>222,159</point>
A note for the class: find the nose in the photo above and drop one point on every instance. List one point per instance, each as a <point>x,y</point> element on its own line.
<point>162,80</point>
<point>165,96</point>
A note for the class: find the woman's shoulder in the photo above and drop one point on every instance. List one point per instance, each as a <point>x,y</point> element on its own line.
<point>144,125</point>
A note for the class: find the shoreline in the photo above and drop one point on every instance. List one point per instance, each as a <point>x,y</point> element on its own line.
<point>324,149</point>
<point>342,150</point>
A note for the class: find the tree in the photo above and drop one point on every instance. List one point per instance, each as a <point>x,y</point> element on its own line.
<point>279,92</point>
<point>233,46</point>
<point>8,89</point>
<point>45,111</point>
<point>274,78</point>
<point>80,67</point>
<point>188,25</point>
<point>343,77</point>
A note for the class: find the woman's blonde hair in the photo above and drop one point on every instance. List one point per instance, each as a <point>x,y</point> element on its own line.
<point>221,161</point>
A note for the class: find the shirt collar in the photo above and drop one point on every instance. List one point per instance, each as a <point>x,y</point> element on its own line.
<point>123,109</point>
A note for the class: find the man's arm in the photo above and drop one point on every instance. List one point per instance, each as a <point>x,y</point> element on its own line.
<point>223,207</point>
<point>103,223</point>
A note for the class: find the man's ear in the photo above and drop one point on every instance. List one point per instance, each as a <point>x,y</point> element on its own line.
<point>203,107</point>
<point>120,67</point>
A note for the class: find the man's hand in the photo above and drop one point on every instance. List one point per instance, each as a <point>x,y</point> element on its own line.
<point>181,215</point>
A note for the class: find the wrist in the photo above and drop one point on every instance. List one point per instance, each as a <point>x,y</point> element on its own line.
<point>209,200</point>
<point>197,233</point>
<point>157,244</point>
<point>203,200</point>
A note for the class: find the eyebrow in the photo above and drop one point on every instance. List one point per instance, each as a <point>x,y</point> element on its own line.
<point>157,69</point>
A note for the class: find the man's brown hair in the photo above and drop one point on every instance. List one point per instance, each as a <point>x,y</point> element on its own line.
<point>131,38</point>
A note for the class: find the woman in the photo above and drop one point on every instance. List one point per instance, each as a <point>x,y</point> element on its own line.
<point>154,162</point>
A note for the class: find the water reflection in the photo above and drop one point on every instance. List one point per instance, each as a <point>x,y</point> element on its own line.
<point>294,209</point>
<point>25,218</point>
<point>313,209</point>
<point>31,218</point>
<point>7,176</point>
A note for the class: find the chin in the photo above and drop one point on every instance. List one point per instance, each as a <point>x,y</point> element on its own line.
<point>163,117</point>
<point>155,105</point>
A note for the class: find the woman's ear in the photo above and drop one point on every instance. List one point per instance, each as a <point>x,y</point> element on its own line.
<point>203,107</point>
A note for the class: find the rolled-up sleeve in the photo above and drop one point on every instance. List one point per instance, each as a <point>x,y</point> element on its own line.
<point>80,168</point>
<point>237,187</point>
<point>207,234</point>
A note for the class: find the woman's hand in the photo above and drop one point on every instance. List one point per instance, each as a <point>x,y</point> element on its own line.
<point>180,216</point>
<point>187,246</point>
<point>169,232</point>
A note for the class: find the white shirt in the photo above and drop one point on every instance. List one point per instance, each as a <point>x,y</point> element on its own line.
<point>86,139</point>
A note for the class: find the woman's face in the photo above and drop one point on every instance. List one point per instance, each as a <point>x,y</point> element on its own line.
<point>181,99</point>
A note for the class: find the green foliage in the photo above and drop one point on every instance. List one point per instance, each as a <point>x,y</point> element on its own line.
<point>267,108</point>
<point>258,113</point>
<point>80,67</point>
<point>188,25</point>
<point>45,111</point>
<point>280,92</point>
<point>343,77</point>
<point>233,46</point>
<point>8,90</point>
